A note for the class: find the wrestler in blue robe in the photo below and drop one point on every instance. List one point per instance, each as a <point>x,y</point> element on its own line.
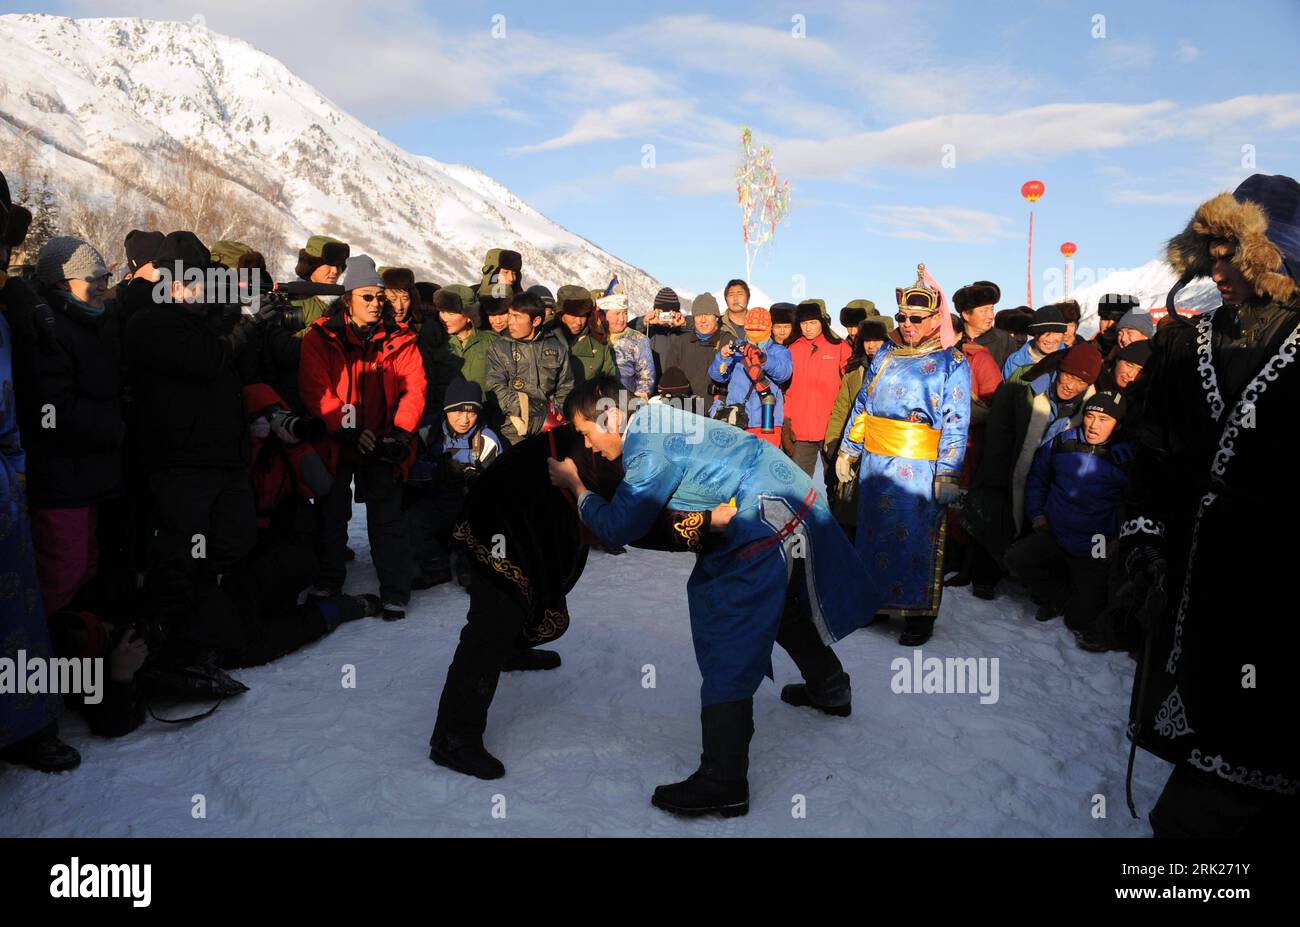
<point>737,591</point>
<point>900,525</point>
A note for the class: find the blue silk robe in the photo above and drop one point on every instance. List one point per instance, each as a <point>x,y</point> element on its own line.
<point>900,525</point>
<point>737,591</point>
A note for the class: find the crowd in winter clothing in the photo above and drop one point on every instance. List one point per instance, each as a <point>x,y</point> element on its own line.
<point>181,467</point>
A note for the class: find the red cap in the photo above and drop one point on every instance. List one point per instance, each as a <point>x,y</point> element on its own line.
<point>1083,361</point>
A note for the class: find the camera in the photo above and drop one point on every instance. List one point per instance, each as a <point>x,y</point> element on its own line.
<point>276,300</point>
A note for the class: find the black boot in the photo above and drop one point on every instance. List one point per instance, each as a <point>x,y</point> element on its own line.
<point>393,610</point>
<point>465,755</point>
<point>434,575</point>
<point>721,785</point>
<point>984,591</point>
<point>527,659</point>
<point>833,696</point>
<point>460,567</point>
<point>42,751</point>
<point>916,632</point>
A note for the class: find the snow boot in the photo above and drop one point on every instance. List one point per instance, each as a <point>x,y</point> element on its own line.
<point>984,591</point>
<point>1047,611</point>
<point>527,660</point>
<point>916,632</point>
<point>199,681</point>
<point>393,610</point>
<point>832,696</point>
<point>465,755</point>
<point>42,751</point>
<point>460,567</point>
<point>721,785</point>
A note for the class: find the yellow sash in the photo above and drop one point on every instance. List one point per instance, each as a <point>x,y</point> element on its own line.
<point>891,438</point>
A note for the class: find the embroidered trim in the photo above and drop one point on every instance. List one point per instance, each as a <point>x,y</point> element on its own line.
<point>500,564</point>
<point>688,527</point>
<point>1142,525</point>
<point>1205,363</point>
<point>1246,404</point>
<point>553,624</point>
<point>1254,778</point>
<point>1171,719</point>
<point>1177,649</point>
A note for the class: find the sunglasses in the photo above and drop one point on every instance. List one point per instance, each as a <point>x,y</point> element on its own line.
<point>371,297</point>
<point>902,317</point>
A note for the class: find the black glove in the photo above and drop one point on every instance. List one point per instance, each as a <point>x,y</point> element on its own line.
<point>393,447</point>
<point>1143,591</point>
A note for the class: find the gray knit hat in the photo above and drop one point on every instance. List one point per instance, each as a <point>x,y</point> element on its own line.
<point>704,304</point>
<point>68,258</point>
<point>1137,319</point>
<point>360,271</point>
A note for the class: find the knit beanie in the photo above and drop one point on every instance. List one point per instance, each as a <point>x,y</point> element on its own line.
<point>141,246</point>
<point>462,394</point>
<point>1083,361</point>
<point>1110,403</point>
<point>67,258</point>
<point>1139,352</point>
<point>667,299</point>
<point>1047,319</point>
<point>360,271</point>
<point>1141,321</point>
<point>704,304</point>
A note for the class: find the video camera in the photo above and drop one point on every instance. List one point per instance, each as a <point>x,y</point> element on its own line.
<point>259,294</point>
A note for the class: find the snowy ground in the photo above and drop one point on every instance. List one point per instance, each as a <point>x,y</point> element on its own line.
<point>585,745</point>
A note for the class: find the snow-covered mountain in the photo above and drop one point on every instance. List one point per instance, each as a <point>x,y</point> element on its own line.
<point>91,98</point>
<point>1151,284</point>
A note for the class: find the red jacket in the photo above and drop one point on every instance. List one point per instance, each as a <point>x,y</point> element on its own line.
<point>277,470</point>
<point>818,368</point>
<point>985,378</point>
<point>379,376</point>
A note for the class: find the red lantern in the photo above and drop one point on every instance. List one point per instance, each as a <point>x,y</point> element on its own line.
<point>1032,190</point>
<point>1069,248</point>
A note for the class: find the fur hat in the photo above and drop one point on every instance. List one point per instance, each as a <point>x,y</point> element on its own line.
<point>510,260</point>
<point>1113,306</point>
<point>780,313</point>
<point>1262,218</point>
<point>1016,321</point>
<point>873,329</point>
<point>807,312</point>
<point>973,295</point>
<point>1070,311</point>
<point>855,311</point>
<point>574,300</point>
<point>493,305</point>
<point>321,250</point>
<point>397,278</point>
<point>183,249</point>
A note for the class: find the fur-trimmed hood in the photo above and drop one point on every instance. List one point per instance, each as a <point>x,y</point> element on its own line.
<point>1265,243</point>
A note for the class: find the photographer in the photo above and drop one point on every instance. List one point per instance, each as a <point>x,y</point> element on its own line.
<point>750,370</point>
<point>664,325</point>
<point>362,373</point>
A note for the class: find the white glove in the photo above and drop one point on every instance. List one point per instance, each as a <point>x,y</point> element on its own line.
<point>259,427</point>
<point>844,468</point>
<point>946,492</point>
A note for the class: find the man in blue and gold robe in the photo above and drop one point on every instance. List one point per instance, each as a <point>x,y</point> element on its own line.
<point>906,435</point>
<point>780,570</point>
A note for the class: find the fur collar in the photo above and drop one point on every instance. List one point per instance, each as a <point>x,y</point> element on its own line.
<point>1245,223</point>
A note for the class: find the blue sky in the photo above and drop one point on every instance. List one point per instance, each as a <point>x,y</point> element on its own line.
<point>1130,122</point>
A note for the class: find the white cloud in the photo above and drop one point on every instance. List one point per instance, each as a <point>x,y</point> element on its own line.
<point>939,223</point>
<point>623,120</point>
<point>1187,52</point>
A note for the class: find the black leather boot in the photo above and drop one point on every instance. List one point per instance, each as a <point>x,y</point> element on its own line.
<point>527,659</point>
<point>834,696</point>
<point>916,632</point>
<point>721,785</point>
<point>465,754</point>
<point>42,751</point>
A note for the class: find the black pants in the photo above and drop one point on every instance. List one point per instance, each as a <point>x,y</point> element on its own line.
<point>431,511</point>
<point>204,521</point>
<point>390,551</point>
<point>492,631</point>
<point>1195,804</point>
<point>806,454</point>
<point>1078,585</point>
